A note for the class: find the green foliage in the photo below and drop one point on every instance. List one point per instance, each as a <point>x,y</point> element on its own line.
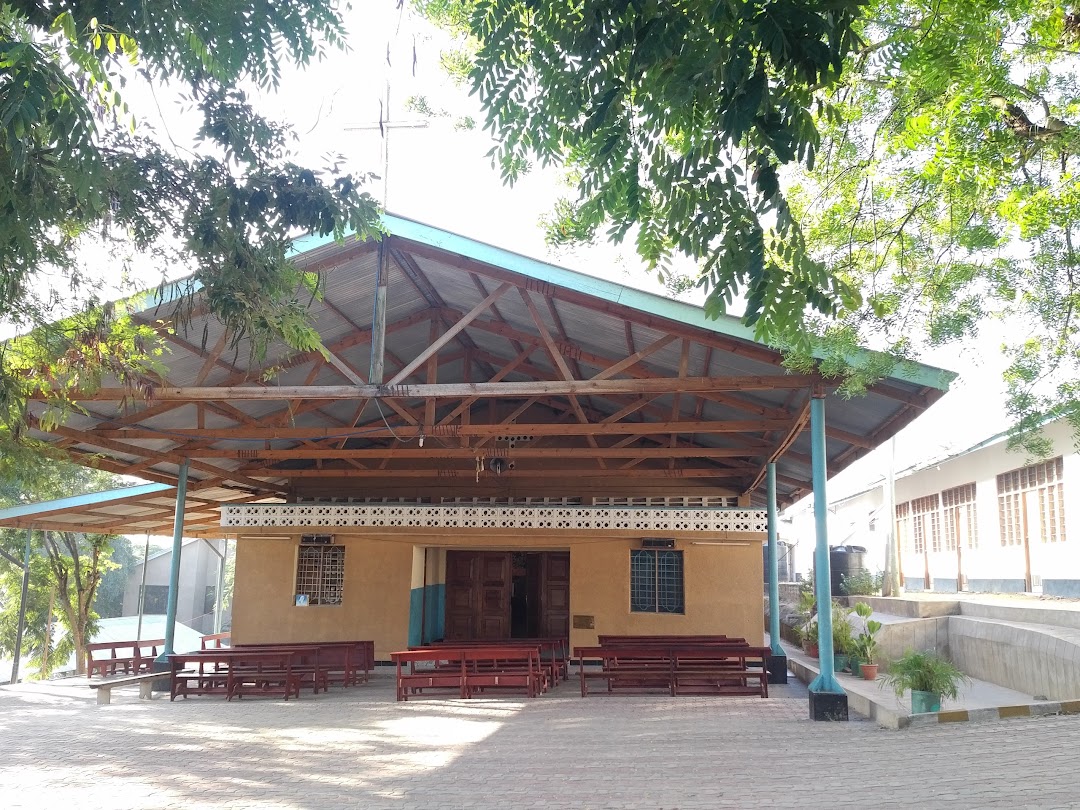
<point>862,583</point>
<point>924,672</point>
<point>946,190</point>
<point>109,600</point>
<point>677,120</point>
<point>866,643</point>
<point>842,631</point>
<point>66,568</point>
<point>80,172</point>
<point>893,173</point>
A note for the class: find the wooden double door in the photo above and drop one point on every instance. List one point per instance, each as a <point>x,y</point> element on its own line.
<point>503,594</point>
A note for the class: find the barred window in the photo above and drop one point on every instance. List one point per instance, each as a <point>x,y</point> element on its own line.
<point>1044,511</point>
<point>656,581</point>
<point>958,506</point>
<point>320,575</point>
<point>925,524</point>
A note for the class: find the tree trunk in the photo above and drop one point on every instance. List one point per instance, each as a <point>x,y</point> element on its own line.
<point>46,647</point>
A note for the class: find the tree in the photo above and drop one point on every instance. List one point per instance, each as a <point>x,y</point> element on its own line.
<point>109,601</point>
<point>946,189</point>
<point>86,186</point>
<point>890,173</point>
<point>675,119</point>
<point>65,573</point>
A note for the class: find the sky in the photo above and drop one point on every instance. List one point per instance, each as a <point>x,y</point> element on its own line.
<point>441,175</point>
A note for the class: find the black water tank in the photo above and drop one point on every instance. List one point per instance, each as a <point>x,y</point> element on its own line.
<point>843,562</point>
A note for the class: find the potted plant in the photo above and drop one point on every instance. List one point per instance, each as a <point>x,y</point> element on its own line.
<point>928,676</point>
<point>866,644</point>
<point>841,635</point>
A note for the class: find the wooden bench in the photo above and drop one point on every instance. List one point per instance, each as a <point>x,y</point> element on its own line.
<point>234,673</point>
<point>468,669</point>
<point>307,661</point>
<point>346,662</point>
<point>216,641</point>
<point>126,657</point>
<point>145,680</point>
<point>684,669</point>
<point>610,641</point>
<point>554,658</point>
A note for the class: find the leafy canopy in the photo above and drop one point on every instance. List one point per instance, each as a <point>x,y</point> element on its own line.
<point>675,119</point>
<point>87,189</point>
<point>893,173</point>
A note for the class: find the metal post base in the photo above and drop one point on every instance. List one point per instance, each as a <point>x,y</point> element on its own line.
<point>777,667</point>
<point>828,706</point>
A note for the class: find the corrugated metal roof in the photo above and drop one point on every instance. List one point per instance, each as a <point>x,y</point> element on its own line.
<point>434,274</point>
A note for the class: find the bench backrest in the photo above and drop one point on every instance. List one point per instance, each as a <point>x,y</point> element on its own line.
<point>647,652</point>
<point>130,649</point>
<point>216,641</point>
<point>234,658</point>
<point>609,641</point>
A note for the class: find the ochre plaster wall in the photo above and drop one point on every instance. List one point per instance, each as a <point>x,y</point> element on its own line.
<point>722,586</point>
<point>723,590</point>
<point>375,604</point>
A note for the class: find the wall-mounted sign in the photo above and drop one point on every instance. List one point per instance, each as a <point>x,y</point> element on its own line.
<point>301,600</point>
<point>584,622</point>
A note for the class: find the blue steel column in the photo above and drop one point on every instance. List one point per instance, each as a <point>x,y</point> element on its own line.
<point>774,585</point>
<point>174,567</point>
<point>826,681</point>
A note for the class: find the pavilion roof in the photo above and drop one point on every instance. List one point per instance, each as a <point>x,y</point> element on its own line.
<point>487,353</point>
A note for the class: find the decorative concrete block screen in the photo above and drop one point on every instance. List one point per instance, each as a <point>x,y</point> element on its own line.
<point>496,517</point>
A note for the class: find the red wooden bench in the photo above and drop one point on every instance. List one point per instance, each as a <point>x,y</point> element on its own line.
<point>307,661</point>
<point>468,669</point>
<point>346,662</point>
<point>233,673</point>
<point>608,641</point>
<point>216,641</point>
<point>123,657</point>
<point>682,669</point>
<point>554,658</point>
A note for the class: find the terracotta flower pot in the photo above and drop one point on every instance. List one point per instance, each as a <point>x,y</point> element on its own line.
<point>812,650</point>
<point>869,671</point>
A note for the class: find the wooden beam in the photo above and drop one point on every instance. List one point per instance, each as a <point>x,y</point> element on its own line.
<point>656,385</point>
<point>448,335</point>
<point>436,452</point>
<point>468,472</point>
<point>636,357</point>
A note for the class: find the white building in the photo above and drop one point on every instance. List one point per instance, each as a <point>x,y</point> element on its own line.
<point>985,520</point>
<point>200,565</point>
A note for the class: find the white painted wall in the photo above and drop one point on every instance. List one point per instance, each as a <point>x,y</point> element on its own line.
<point>852,519</point>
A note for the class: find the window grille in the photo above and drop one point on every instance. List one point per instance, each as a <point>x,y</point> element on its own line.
<point>656,581</point>
<point>320,574</point>
<point>903,526</point>
<point>925,523</point>
<point>958,508</point>
<point>1045,481</point>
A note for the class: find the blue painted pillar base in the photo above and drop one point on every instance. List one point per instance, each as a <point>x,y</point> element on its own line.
<point>828,706</point>
<point>777,668</point>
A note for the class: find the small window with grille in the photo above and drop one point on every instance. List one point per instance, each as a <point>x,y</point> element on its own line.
<point>656,581</point>
<point>320,575</point>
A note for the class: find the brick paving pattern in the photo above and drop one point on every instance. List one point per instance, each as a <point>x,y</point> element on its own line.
<point>357,748</point>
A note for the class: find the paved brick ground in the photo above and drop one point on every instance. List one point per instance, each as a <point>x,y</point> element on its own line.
<point>358,748</point>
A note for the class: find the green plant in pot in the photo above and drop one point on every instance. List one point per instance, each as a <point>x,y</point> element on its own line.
<point>928,676</point>
<point>866,643</point>
<point>841,636</point>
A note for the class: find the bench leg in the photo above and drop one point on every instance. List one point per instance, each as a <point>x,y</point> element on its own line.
<point>104,696</point>
<point>146,689</point>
